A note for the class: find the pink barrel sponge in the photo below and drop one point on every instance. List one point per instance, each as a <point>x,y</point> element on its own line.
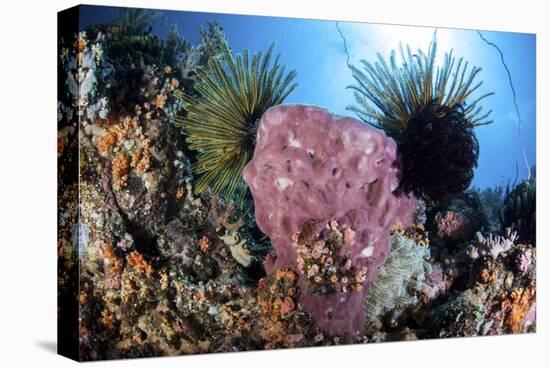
<point>310,164</point>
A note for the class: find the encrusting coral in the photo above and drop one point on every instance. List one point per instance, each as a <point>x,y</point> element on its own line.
<point>428,110</point>
<point>221,123</point>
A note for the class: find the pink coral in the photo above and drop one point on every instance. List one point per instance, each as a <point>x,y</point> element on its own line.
<point>308,164</point>
<point>453,225</point>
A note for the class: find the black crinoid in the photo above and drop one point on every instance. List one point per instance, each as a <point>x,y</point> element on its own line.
<point>439,151</point>
<point>428,111</point>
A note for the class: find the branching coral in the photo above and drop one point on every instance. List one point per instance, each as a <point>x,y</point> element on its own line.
<point>221,124</point>
<point>493,245</point>
<point>428,110</point>
<point>403,273</point>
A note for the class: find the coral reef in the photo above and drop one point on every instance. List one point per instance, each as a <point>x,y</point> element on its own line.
<point>309,164</point>
<point>500,298</point>
<point>221,124</point>
<point>160,252</point>
<point>143,240</point>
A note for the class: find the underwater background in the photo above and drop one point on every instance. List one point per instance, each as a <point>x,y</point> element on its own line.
<point>231,183</point>
<point>315,48</point>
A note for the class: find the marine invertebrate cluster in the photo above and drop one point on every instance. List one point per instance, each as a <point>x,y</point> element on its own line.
<point>284,324</point>
<point>278,294</point>
<point>134,305</point>
<point>324,260</point>
<point>311,164</point>
<point>132,147</point>
<point>428,110</point>
<point>221,123</point>
<point>84,65</point>
<point>497,301</point>
<point>416,232</point>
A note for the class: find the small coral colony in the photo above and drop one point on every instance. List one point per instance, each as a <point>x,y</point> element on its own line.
<point>206,215</point>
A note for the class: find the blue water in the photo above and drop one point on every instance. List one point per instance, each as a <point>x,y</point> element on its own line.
<point>316,50</point>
